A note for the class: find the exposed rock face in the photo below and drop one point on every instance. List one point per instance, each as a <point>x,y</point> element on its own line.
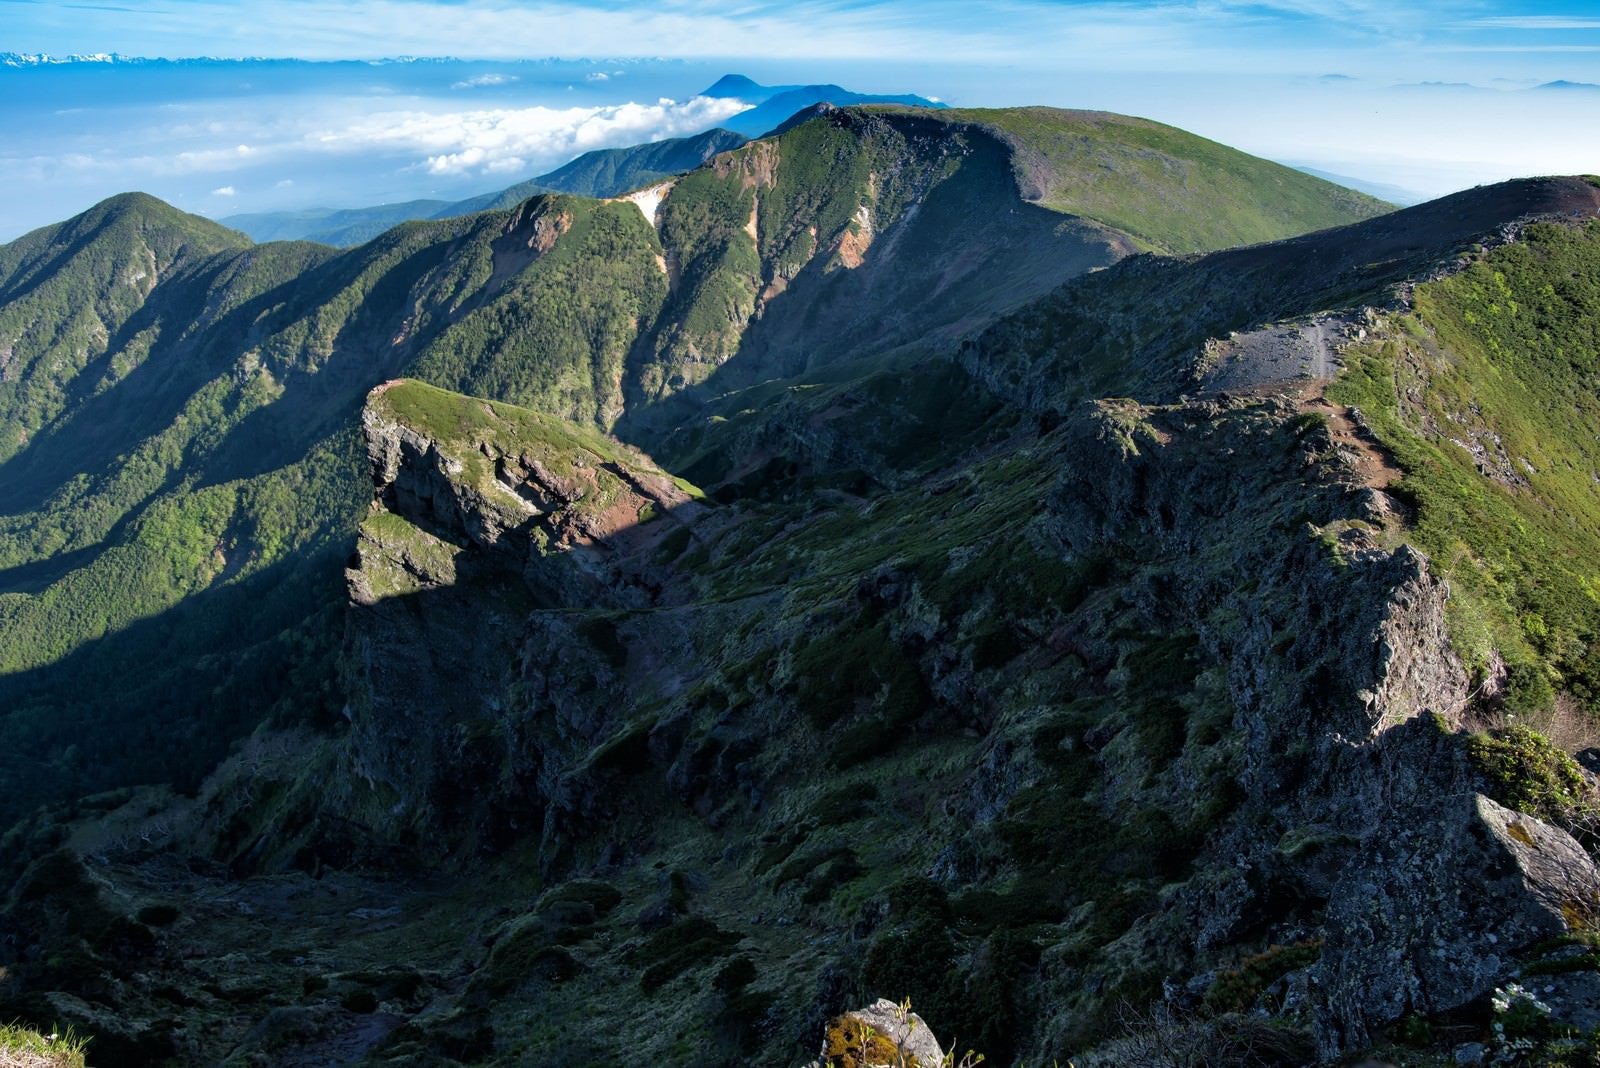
<point>1417,670</point>
<point>1434,908</point>
<point>824,248</point>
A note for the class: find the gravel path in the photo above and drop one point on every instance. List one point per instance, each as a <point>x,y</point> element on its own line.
<point>1276,355</point>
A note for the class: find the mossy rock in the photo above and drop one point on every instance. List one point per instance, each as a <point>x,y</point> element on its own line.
<point>390,984</point>
<point>582,901</point>
<point>60,882</point>
<point>803,866</point>
<point>822,883</point>
<point>853,1043</point>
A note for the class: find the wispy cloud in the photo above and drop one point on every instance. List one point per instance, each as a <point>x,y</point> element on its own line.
<point>485,80</point>
<point>1552,49</point>
<point>223,191</point>
<point>212,159</point>
<point>499,29</point>
<point>1295,78</point>
<point>1153,36</point>
<point>1534,22</point>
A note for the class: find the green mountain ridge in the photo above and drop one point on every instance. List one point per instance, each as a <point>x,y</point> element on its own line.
<point>988,620</point>
<point>1131,174</point>
<point>1178,192</point>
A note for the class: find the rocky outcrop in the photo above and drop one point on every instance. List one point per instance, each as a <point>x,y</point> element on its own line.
<point>497,541</point>
<point>1364,830</point>
<point>1416,669</point>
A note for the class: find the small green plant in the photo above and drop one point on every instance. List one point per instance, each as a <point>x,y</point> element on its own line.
<point>1521,1022</point>
<point>1524,1031</point>
<point>1413,1030</point>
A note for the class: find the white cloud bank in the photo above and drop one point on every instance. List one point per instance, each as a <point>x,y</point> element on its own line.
<point>501,140</point>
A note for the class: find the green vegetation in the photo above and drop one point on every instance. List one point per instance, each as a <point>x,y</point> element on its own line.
<point>532,948</point>
<point>825,176</point>
<point>589,292</point>
<point>850,1042</point>
<point>855,661</point>
<point>690,943</point>
<point>1498,440</point>
<point>213,591</point>
<point>606,172</point>
<point>341,227</point>
<point>483,436</point>
<point>174,529</point>
<point>55,323</point>
<point>1529,774</point>
<point>610,172</point>
<point>465,421</point>
<point>703,224</point>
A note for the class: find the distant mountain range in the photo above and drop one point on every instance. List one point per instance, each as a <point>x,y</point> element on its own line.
<point>777,103</point>
<point>609,172</point>
<point>606,172</point>
<point>1394,194</point>
<point>41,59</point>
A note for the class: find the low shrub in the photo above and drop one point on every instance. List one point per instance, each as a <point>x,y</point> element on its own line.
<point>1527,773</point>
<point>1237,989</point>
<point>690,943</point>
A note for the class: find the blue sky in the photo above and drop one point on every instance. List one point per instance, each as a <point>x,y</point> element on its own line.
<point>1429,96</point>
<point>1436,39</point>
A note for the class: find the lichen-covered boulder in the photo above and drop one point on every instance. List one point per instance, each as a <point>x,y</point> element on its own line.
<point>883,1033</point>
